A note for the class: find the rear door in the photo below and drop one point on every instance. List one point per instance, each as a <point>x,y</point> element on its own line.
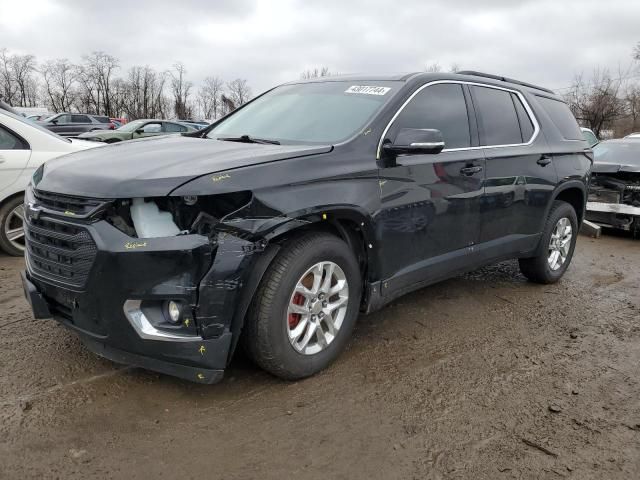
<point>14,156</point>
<point>520,176</point>
<point>170,127</point>
<point>80,124</point>
<point>430,216</point>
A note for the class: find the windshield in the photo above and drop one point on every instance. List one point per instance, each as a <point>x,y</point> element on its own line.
<point>590,137</point>
<point>131,126</point>
<point>33,124</point>
<point>323,112</point>
<point>625,153</point>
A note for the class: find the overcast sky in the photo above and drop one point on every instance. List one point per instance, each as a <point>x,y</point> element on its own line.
<point>272,41</point>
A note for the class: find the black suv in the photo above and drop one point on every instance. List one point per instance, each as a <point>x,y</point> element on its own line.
<point>73,124</point>
<point>281,222</point>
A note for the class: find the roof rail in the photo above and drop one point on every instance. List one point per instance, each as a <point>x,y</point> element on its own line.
<point>504,79</point>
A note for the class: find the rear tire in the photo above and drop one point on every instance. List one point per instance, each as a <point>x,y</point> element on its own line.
<point>275,333</point>
<point>11,227</point>
<point>557,244</point>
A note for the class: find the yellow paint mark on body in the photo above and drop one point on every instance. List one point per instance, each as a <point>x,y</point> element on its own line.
<point>132,245</point>
<point>69,213</point>
<point>217,178</point>
<point>202,349</point>
<point>200,376</point>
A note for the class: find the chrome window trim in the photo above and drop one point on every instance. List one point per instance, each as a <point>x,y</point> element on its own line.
<point>532,117</point>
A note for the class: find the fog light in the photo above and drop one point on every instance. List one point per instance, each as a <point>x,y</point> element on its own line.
<point>174,310</point>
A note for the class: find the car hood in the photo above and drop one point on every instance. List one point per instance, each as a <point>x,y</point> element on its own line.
<point>602,167</point>
<point>99,134</point>
<point>156,166</point>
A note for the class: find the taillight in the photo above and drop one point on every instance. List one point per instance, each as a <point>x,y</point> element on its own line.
<point>112,126</point>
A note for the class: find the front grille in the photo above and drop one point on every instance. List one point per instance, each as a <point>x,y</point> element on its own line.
<point>67,204</point>
<point>59,251</point>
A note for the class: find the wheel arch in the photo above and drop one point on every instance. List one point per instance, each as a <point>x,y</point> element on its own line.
<point>351,225</point>
<point>574,193</point>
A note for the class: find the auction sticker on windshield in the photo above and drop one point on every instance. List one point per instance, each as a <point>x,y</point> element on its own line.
<point>367,89</point>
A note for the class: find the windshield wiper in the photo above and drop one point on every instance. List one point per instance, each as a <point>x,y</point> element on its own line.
<point>248,139</point>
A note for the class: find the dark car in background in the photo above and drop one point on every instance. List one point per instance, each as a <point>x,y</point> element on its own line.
<point>614,194</point>
<point>197,124</point>
<point>138,129</point>
<point>73,124</point>
<point>318,200</point>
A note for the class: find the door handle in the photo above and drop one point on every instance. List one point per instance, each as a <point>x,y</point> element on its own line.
<point>470,170</point>
<point>544,160</point>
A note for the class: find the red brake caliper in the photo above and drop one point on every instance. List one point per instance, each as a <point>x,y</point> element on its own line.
<point>294,318</point>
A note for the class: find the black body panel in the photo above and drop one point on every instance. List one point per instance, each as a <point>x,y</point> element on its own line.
<point>412,220</point>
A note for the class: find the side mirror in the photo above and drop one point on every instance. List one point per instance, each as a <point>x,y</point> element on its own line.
<point>414,141</point>
<point>55,122</point>
<point>140,131</point>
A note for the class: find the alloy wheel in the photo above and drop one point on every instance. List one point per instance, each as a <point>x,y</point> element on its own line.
<point>14,227</point>
<point>560,243</point>
<point>317,308</point>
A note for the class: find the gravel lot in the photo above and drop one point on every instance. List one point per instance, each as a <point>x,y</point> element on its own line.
<point>482,376</point>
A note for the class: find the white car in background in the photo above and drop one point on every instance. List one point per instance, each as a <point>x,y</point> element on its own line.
<point>24,146</point>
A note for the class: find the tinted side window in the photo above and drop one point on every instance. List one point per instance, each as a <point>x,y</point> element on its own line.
<point>9,141</point>
<point>102,119</point>
<point>526,126</point>
<point>80,119</point>
<point>561,117</point>
<point>440,106</point>
<point>497,118</point>
<point>63,118</point>
<point>174,127</point>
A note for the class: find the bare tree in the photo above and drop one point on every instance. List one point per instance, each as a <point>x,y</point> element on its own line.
<point>315,73</point>
<point>59,76</point>
<point>143,93</point>
<point>209,97</point>
<point>96,76</point>
<point>632,100</point>
<point>238,91</point>
<point>181,89</point>
<point>597,103</point>
<point>23,67</point>
<point>8,88</point>
<point>433,68</point>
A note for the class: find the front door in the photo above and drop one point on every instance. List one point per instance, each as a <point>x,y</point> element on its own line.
<point>149,130</point>
<point>430,204</point>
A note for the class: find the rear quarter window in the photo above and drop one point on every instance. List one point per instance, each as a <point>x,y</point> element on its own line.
<point>561,117</point>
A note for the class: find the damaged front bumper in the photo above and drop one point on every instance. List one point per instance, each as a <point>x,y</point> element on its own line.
<point>111,289</point>
<point>614,215</point>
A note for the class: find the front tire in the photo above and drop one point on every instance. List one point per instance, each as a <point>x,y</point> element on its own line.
<point>557,244</point>
<point>12,227</point>
<point>305,308</point>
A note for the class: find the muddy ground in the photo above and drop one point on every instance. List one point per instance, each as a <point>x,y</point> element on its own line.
<point>482,376</point>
